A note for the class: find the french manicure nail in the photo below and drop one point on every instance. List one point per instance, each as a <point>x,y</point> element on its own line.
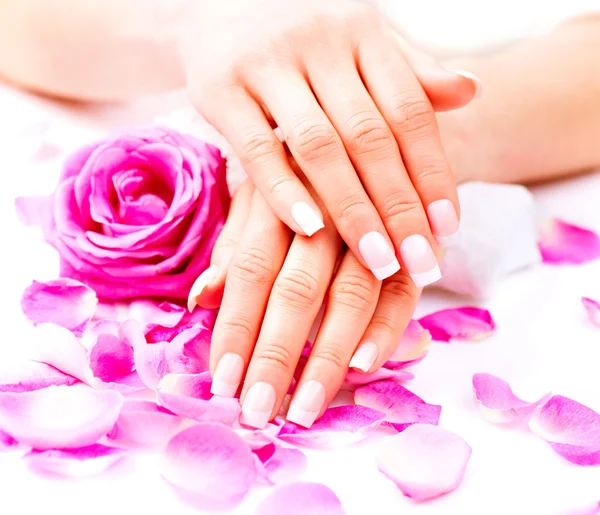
<point>444,222</point>
<point>479,93</point>
<point>379,255</point>
<point>307,404</point>
<point>228,375</point>
<point>204,279</point>
<point>419,260</point>
<point>258,405</point>
<point>365,356</point>
<point>307,218</point>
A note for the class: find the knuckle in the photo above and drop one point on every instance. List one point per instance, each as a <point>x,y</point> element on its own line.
<point>398,204</point>
<point>253,265</point>
<point>228,239</point>
<point>257,146</point>
<point>278,183</point>
<point>275,356</point>
<point>370,134</point>
<point>401,288</point>
<point>351,207</point>
<point>297,286</point>
<point>331,354</point>
<point>353,291</point>
<point>434,173</point>
<point>412,116</point>
<point>238,327</point>
<point>314,141</point>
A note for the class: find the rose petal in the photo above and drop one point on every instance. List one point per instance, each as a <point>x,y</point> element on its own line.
<point>151,314</point>
<point>402,407</point>
<point>593,310</point>
<point>301,499</point>
<point>59,416</point>
<point>281,464</point>
<point>562,242</point>
<point>31,375</point>
<point>497,401</point>
<point>150,359</point>
<point>189,351</point>
<point>7,442</point>
<point>210,463</point>
<point>571,429</point>
<point>75,463</point>
<point>189,395</point>
<point>424,461</point>
<point>413,346</point>
<point>338,427</point>
<point>36,210</point>
<point>355,379</point>
<point>592,509</point>
<point>466,323</point>
<point>64,302</point>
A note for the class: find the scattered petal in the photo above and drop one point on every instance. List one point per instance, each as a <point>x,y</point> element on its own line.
<point>301,499</point>
<point>562,242</point>
<point>64,302</point>
<point>149,358</point>
<point>209,464</point>
<point>355,379</point>
<point>402,407</point>
<point>281,464</point>
<point>592,509</point>
<point>498,403</point>
<point>424,461</point>
<point>189,351</point>
<point>571,429</point>
<point>31,375</point>
<point>7,442</point>
<point>593,310</point>
<point>466,323</point>
<point>75,463</point>
<point>59,416</point>
<point>338,427</point>
<point>151,314</point>
<point>413,346</point>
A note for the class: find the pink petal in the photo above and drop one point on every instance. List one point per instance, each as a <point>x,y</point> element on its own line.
<point>7,442</point>
<point>592,509</point>
<point>151,314</point>
<point>338,427</point>
<point>402,407</point>
<point>75,463</point>
<point>281,464</point>
<point>571,429</point>
<point>144,423</point>
<point>149,359</point>
<point>59,416</point>
<point>497,401</point>
<point>593,310</point>
<point>31,375</point>
<point>562,242</point>
<point>210,464</point>
<point>355,379</point>
<point>189,351</point>
<point>188,395</point>
<point>424,461</point>
<point>301,499</point>
<point>413,345</point>
<point>64,302</point>
<point>466,323</point>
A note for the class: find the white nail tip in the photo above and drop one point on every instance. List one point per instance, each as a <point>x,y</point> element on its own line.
<point>426,278</point>
<point>479,88</point>
<point>301,417</point>
<point>307,218</point>
<point>364,357</point>
<point>448,241</point>
<point>222,389</point>
<point>386,271</point>
<point>256,419</point>
<point>204,279</point>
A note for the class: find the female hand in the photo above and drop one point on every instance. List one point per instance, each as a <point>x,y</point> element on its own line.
<point>348,99</point>
<point>275,286</point>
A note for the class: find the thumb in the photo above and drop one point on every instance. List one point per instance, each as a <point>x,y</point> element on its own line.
<point>207,290</point>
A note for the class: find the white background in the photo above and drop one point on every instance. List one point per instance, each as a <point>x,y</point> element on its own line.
<point>543,342</point>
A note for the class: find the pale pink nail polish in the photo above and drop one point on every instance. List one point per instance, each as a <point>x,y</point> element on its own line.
<point>479,92</point>
<point>444,222</point>
<point>228,375</point>
<point>379,255</point>
<point>364,356</point>
<point>307,404</point>
<point>419,259</point>
<point>258,405</point>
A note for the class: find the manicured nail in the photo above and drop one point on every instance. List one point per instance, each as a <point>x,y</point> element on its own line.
<point>258,405</point>
<point>419,259</point>
<point>307,404</point>
<point>364,356</point>
<point>205,278</point>
<point>228,375</point>
<point>444,222</point>
<point>307,218</point>
<point>479,93</point>
<point>379,255</point>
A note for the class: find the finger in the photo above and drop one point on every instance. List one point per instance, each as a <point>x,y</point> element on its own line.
<point>409,114</point>
<point>207,290</point>
<point>293,306</point>
<point>320,153</point>
<point>241,120</point>
<point>350,304</point>
<point>396,305</point>
<point>250,278</point>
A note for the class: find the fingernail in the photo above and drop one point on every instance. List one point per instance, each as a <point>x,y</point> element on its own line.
<point>364,357</point>
<point>444,222</point>
<point>479,93</point>
<point>379,255</point>
<point>419,259</point>
<point>228,375</point>
<point>307,404</point>
<point>258,405</point>
<point>307,218</point>
<point>205,278</point>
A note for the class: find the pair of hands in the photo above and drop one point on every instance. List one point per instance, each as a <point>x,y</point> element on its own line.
<point>356,108</point>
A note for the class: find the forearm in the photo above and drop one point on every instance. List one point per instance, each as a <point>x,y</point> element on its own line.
<point>541,114</point>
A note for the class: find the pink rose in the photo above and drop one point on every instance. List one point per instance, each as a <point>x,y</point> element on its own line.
<point>137,215</point>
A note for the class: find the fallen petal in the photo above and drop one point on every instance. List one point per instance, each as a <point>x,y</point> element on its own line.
<point>281,464</point>
<point>189,351</point>
<point>593,310</point>
<point>301,499</point>
<point>571,429</point>
<point>466,323</point>
<point>413,345</point>
<point>498,403</point>
<point>31,375</point>
<point>562,242</point>
<point>7,442</point>
<point>150,314</point>
<point>338,427</point>
<point>59,416</point>
<point>149,358</point>
<point>424,461</point>
<point>355,379</point>
<point>402,407</point>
